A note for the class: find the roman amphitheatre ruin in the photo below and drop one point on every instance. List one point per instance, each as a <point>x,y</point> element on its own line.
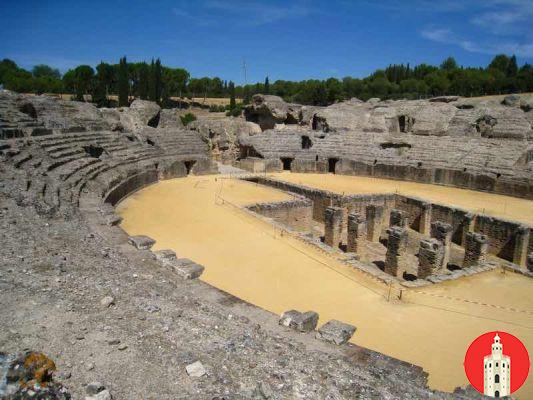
<point>348,251</point>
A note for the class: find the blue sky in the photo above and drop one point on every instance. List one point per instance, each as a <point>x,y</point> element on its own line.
<point>292,40</point>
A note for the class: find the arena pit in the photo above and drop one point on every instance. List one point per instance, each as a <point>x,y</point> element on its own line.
<point>272,266</point>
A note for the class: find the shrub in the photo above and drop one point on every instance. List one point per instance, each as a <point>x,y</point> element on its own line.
<point>235,112</point>
<point>187,118</point>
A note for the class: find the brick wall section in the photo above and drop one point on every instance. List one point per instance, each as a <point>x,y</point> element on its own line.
<point>476,248</point>
<point>297,214</point>
<point>398,218</point>
<point>522,236</point>
<point>429,257</point>
<point>374,222</point>
<point>333,217</point>
<point>501,235</point>
<point>356,233</point>
<point>443,232</point>
<point>396,250</point>
<point>453,216</point>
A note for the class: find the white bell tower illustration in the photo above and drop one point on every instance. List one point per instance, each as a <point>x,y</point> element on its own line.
<point>497,371</point>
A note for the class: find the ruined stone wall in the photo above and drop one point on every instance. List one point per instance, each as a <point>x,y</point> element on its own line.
<point>500,235</point>
<point>515,186</point>
<point>413,208</point>
<point>131,185</point>
<point>453,216</point>
<point>297,214</point>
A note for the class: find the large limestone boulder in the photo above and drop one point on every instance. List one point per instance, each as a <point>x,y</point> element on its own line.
<point>58,114</point>
<point>139,114</point>
<point>112,117</point>
<point>170,118</point>
<point>503,122</point>
<point>147,111</point>
<point>224,135</point>
<point>268,110</point>
<point>424,118</point>
<point>349,115</point>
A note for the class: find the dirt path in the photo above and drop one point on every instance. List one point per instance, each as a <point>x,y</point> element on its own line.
<point>249,259</point>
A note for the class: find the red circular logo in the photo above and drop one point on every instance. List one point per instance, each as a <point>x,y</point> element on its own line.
<point>497,364</point>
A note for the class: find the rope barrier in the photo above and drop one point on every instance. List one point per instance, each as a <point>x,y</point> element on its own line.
<point>459,299</point>
<point>306,254</point>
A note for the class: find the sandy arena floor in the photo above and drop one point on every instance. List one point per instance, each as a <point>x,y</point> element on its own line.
<point>506,207</point>
<point>249,259</point>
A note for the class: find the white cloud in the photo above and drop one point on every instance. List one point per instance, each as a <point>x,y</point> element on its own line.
<point>504,26</point>
<point>242,12</point>
<point>446,36</point>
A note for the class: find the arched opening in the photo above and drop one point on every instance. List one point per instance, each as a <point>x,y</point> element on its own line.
<point>406,123</point>
<point>287,163</point>
<point>306,142</point>
<point>189,165</point>
<point>93,151</point>
<point>497,394</point>
<point>28,109</point>
<point>496,378</point>
<point>332,162</point>
<point>409,277</point>
<point>154,121</point>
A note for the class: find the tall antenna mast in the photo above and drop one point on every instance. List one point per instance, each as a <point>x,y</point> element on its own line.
<point>244,69</point>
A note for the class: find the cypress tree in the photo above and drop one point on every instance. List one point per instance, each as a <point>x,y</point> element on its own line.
<point>158,80</point>
<point>123,84</point>
<point>100,87</point>
<point>144,81</point>
<point>512,67</point>
<point>232,102</point>
<point>267,86</point>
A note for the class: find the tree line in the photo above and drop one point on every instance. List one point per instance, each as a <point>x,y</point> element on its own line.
<point>154,81</point>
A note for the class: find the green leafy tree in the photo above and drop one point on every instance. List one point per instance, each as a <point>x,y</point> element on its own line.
<point>449,64</point>
<point>79,81</point>
<point>500,63</point>
<point>102,85</point>
<point>42,70</point>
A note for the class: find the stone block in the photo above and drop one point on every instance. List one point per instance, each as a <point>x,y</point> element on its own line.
<point>301,322</point>
<point>189,271</point>
<point>336,332</point>
<point>398,218</point>
<point>184,262</point>
<point>141,242</point>
<point>164,256</point>
<point>112,219</point>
